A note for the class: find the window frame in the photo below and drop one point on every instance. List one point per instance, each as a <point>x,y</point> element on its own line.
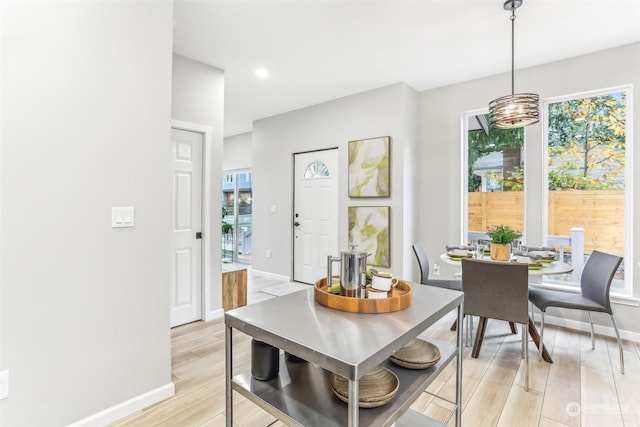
<point>628,177</point>
<point>464,181</point>
<point>234,180</point>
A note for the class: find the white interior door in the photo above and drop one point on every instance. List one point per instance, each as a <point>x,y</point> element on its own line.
<point>186,250</point>
<point>315,214</point>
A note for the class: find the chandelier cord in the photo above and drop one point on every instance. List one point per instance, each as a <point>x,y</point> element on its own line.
<point>513,22</point>
<point>514,110</point>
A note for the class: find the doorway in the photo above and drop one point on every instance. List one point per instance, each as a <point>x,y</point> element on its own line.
<point>315,213</point>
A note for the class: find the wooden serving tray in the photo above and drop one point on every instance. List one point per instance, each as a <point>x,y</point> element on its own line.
<point>399,299</point>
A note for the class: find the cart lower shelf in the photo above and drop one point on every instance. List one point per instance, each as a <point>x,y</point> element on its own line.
<point>301,395</point>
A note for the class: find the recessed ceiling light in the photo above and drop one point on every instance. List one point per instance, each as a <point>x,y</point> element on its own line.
<point>262,72</point>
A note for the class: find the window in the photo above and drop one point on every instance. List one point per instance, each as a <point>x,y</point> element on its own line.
<point>237,202</point>
<point>495,177</point>
<point>587,185</point>
<point>316,169</point>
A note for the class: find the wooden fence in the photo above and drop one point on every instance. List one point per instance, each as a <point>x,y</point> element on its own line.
<point>599,212</point>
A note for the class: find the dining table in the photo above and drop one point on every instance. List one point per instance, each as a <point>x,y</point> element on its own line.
<point>535,272</point>
<point>548,268</point>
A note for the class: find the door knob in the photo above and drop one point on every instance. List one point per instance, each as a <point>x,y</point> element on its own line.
<point>297,224</point>
<point>198,235</point>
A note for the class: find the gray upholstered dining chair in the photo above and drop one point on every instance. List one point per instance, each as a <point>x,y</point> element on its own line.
<point>497,290</point>
<point>423,264</point>
<point>595,283</point>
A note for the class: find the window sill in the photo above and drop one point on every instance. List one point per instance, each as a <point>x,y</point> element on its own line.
<point>616,298</point>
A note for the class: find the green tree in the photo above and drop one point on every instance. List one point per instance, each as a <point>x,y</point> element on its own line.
<point>514,179</point>
<point>587,142</point>
<point>481,144</point>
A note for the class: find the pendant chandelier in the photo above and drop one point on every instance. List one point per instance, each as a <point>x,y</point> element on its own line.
<point>518,109</point>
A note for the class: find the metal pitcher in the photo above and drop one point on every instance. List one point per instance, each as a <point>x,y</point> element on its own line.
<point>353,266</point>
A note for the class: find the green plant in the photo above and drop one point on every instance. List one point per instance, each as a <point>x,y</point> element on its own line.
<point>503,234</point>
<point>227,228</point>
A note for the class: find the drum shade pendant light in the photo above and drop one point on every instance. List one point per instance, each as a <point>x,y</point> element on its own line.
<point>518,109</point>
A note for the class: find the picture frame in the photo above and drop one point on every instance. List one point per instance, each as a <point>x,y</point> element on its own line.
<point>369,232</point>
<point>369,174</point>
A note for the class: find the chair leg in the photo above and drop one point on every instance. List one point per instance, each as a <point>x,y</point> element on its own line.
<point>541,346</point>
<point>465,330</point>
<point>593,340</point>
<point>468,333</point>
<point>525,345</point>
<point>522,349</point>
<point>533,318</point>
<point>615,328</point>
<point>482,326</point>
<point>513,328</point>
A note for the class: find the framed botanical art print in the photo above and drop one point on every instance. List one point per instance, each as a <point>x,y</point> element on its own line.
<point>369,232</point>
<point>369,167</point>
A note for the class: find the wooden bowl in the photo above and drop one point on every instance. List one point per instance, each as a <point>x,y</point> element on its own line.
<point>376,388</point>
<point>399,299</point>
<point>417,354</point>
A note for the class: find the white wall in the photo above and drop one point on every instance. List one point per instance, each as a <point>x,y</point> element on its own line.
<point>238,152</point>
<point>198,98</point>
<point>440,150</point>
<point>85,126</point>
<point>387,111</point>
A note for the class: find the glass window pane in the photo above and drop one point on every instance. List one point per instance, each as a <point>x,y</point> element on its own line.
<point>495,177</point>
<point>228,216</point>
<point>586,173</point>
<point>316,169</point>
<point>237,204</point>
<point>245,206</point>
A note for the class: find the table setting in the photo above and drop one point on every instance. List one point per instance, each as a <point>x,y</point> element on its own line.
<point>540,259</point>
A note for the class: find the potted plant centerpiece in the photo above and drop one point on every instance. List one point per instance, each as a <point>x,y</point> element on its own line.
<point>501,238</point>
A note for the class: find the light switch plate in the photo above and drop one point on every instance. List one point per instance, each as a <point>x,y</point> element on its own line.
<point>122,217</point>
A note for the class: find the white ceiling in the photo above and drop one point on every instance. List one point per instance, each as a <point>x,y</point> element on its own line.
<point>325,49</point>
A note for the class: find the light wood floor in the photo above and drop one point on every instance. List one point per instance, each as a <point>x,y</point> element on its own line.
<point>583,387</point>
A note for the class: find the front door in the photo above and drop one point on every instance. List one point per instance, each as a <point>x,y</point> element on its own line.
<point>186,250</point>
<point>315,213</point>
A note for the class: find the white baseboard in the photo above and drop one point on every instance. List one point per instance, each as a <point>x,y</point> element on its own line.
<point>272,275</point>
<point>213,314</point>
<point>585,327</point>
<point>126,408</point>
